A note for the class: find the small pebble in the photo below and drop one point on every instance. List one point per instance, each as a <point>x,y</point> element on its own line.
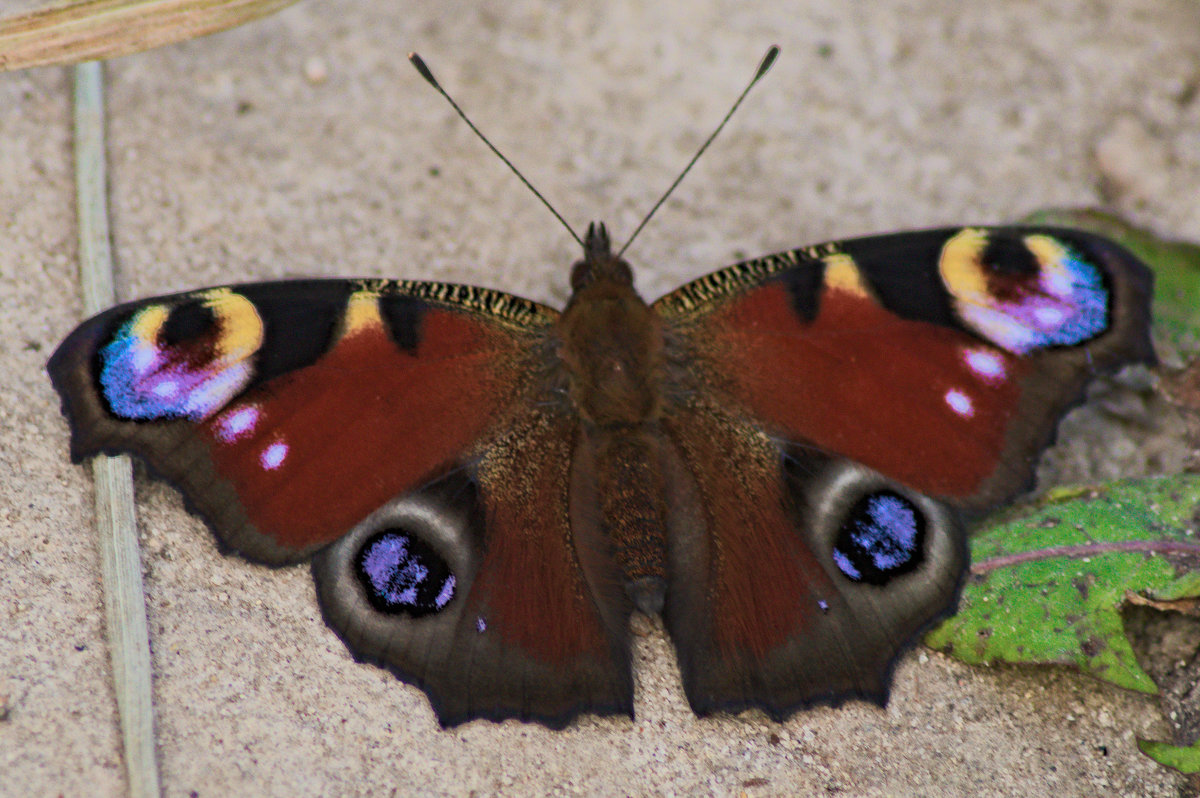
<point>315,71</point>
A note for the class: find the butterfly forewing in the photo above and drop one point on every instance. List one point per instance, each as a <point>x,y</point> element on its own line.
<point>287,412</point>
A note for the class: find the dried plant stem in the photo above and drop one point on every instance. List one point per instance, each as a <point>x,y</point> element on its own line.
<point>124,601</point>
<point>68,31</point>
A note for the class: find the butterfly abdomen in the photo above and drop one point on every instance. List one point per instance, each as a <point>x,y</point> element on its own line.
<point>630,486</point>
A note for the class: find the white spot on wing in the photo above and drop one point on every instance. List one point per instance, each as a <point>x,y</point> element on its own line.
<point>143,358</point>
<point>1058,281</point>
<point>960,403</point>
<point>985,364</point>
<point>165,389</point>
<point>236,424</point>
<point>1048,316</point>
<point>215,388</point>
<point>273,456</point>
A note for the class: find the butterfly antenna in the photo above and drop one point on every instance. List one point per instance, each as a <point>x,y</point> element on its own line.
<point>425,73</point>
<point>763,67</point>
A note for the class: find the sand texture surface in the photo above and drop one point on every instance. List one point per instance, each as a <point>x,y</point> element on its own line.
<point>305,145</point>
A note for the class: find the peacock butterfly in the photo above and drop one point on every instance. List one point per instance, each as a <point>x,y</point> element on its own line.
<point>780,457</point>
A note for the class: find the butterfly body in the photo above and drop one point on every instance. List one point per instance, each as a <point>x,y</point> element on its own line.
<point>780,457</point>
<point>612,350</point>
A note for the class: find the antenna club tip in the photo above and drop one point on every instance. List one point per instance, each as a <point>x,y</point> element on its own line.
<point>767,60</point>
<point>419,64</point>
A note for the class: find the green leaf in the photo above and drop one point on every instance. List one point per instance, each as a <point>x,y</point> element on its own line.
<point>1047,584</point>
<point>1185,588</point>
<point>1176,267</point>
<point>1185,759</point>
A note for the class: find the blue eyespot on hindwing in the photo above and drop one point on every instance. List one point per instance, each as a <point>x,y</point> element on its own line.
<point>882,536</point>
<point>402,574</point>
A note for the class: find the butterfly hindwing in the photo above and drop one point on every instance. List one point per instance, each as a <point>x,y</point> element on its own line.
<point>517,621</point>
<point>862,400</point>
<point>775,624</point>
<point>393,418</point>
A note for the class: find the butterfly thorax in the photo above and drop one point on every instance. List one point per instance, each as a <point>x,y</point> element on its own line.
<point>610,342</point>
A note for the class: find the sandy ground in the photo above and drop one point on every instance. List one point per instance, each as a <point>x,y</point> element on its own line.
<point>306,145</point>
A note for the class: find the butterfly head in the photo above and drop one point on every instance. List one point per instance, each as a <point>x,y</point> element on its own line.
<point>599,264</point>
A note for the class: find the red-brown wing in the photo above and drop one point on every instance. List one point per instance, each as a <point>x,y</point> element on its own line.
<point>398,419</point>
<point>522,622</point>
<point>287,412</point>
<point>941,358</point>
<point>759,612</point>
<point>866,395</point>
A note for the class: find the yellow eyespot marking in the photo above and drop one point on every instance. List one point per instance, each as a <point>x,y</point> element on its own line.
<point>238,320</point>
<point>1055,262</point>
<point>960,265</point>
<point>148,321</point>
<point>1047,250</point>
<point>842,274</point>
<point>362,313</point>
